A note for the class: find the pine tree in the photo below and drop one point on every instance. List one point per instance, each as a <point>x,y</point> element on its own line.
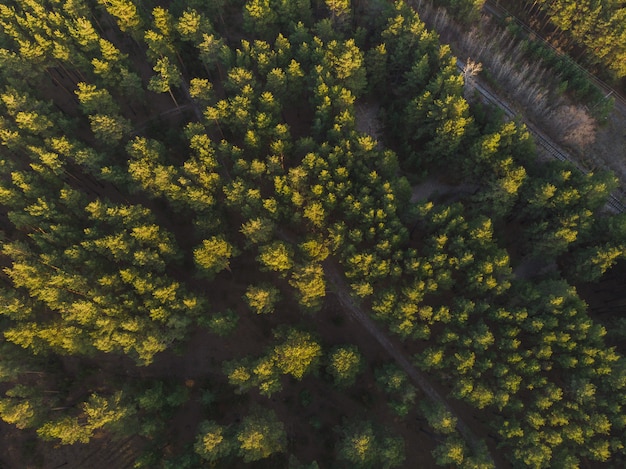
<point>344,364</point>
<point>212,442</point>
<point>261,434</point>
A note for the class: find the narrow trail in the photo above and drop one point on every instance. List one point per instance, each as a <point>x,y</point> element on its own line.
<point>343,295</point>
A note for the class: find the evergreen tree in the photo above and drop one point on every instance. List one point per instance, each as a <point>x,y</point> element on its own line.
<point>261,434</point>
<point>344,364</point>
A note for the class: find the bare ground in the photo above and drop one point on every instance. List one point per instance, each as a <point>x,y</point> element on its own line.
<point>609,149</point>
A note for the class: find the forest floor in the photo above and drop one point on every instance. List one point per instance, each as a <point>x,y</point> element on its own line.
<point>434,188</point>
<point>608,150</point>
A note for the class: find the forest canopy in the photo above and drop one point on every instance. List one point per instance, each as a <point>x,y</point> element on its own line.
<point>218,247</point>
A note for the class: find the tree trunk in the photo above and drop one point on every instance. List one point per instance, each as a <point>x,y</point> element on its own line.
<point>172,96</point>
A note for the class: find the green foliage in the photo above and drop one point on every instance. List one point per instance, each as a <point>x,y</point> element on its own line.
<point>281,164</point>
<point>344,365</point>
<point>17,409</point>
<point>220,323</point>
<point>261,434</point>
<point>464,11</point>
<point>364,447</point>
<point>276,256</point>
<point>108,128</point>
<point>262,299</point>
<point>451,451</point>
<point>310,286</point>
<point>297,355</point>
<point>211,443</point>
<point>439,418</point>
<point>213,256</point>
<point>396,385</point>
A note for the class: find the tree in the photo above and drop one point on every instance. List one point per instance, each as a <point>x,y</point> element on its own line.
<point>95,101</point>
<point>220,323</point>
<point>258,230</point>
<point>191,25</point>
<point>451,451</point>
<point>213,443</point>
<point>345,363</point>
<point>298,354</point>
<point>126,14</point>
<point>395,383</point>
<point>213,256</point>
<point>276,256</point>
<point>260,18</point>
<point>358,445</point>
<point>261,434</point>
<point>168,76</point>
<point>130,85</point>
<point>201,90</point>
<point>109,128</point>
<point>110,413</point>
<point>439,418</point>
<point>22,407</point>
<point>67,430</point>
<point>465,11</point>
<point>262,298</point>
<point>148,170</point>
<point>364,447</point>
<point>590,264</point>
<point>377,67</point>
<point>340,11</point>
<point>310,285</point>
<point>212,52</point>
<point>348,64</point>
<point>560,207</point>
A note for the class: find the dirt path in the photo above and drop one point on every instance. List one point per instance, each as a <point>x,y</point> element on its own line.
<point>530,267</point>
<point>342,292</point>
<point>433,188</point>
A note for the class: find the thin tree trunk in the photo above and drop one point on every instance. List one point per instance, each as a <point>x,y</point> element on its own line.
<point>72,95</point>
<point>172,96</point>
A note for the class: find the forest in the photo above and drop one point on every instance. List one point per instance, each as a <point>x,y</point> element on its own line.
<point>282,233</point>
<point>592,31</point>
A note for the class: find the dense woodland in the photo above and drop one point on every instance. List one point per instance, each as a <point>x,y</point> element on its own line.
<point>198,175</point>
<point>592,31</point>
